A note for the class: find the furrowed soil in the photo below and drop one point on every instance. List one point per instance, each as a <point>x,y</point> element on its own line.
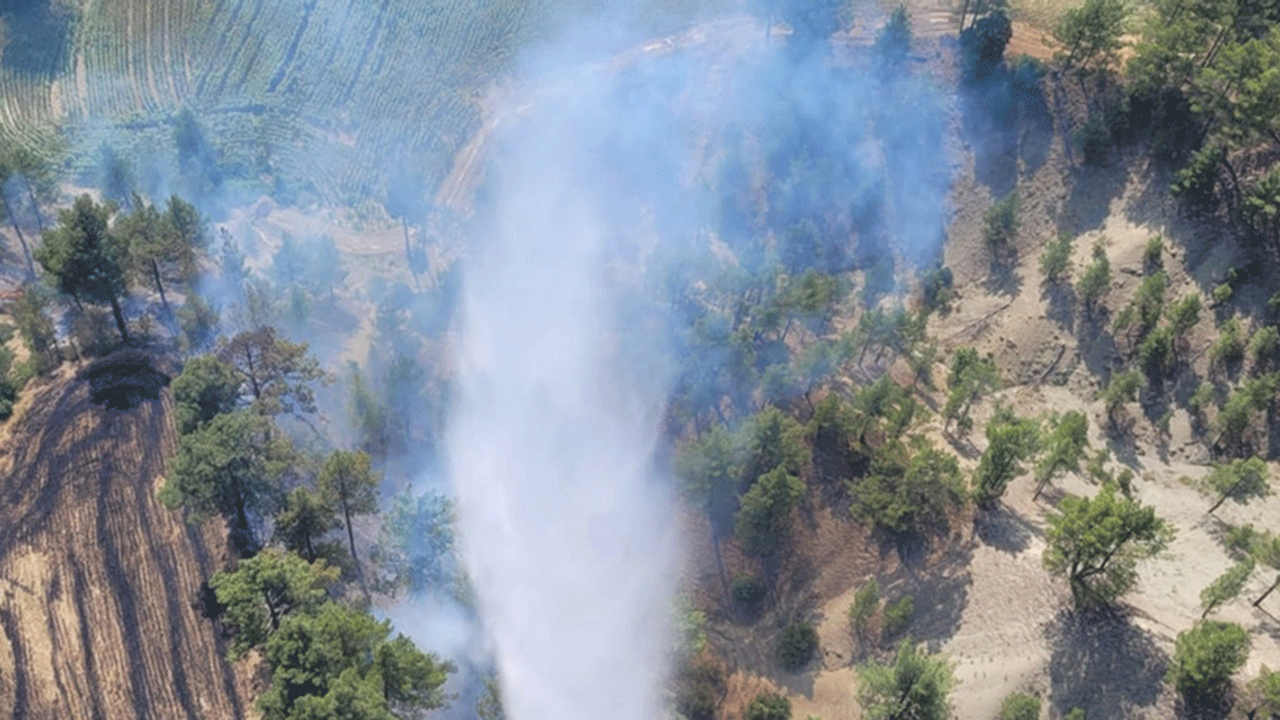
<point>98,582</point>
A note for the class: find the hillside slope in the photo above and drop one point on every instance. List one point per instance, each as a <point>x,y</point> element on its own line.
<point>98,581</point>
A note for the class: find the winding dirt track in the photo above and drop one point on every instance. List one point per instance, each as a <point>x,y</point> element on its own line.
<point>97,579</point>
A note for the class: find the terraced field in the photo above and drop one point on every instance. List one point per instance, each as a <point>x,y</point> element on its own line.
<point>326,95</point>
<point>98,582</point>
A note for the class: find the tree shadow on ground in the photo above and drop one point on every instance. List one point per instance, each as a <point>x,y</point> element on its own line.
<point>989,118</point>
<point>1003,278</point>
<point>1004,530</point>
<point>1100,662</point>
<point>1036,131</point>
<point>1088,204</point>
<point>939,591</point>
<point>1061,300</point>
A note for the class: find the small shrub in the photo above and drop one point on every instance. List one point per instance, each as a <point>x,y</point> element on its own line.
<point>748,592</point>
<point>1074,713</point>
<point>699,686</point>
<point>1154,251</point>
<point>797,645</point>
<point>1221,294</point>
<point>1055,263</point>
<point>1202,398</point>
<point>1093,141</point>
<point>1229,348</point>
<point>769,706</point>
<point>937,288</point>
<point>865,603</point>
<point>1096,280</point>
<point>1263,346</point>
<point>1020,706</point>
<point>898,615</point>
<point>1000,224</point>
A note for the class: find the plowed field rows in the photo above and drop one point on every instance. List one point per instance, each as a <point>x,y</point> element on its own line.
<point>98,582</point>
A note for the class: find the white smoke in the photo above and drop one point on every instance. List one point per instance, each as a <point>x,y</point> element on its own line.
<point>565,533</point>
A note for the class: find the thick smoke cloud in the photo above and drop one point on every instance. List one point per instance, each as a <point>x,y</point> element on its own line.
<point>615,189</point>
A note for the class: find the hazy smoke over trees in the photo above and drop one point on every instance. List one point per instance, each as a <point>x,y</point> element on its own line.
<point>614,200</point>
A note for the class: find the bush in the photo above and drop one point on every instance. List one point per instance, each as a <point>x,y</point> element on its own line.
<point>1196,184</point>
<point>769,706</point>
<point>1154,251</point>
<point>797,645</point>
<point>748,593</point>
<point>898,615</point>
<point>699,686</point>
<point>1206,656</point>
<point>1229,347</point>
<point>865,603</point>
<point>937,288</point>
<point>1093,141</point>
<point>1000,224</point>
<point>1020,706</point>
<point>1096,280</point>
<point>1055,263</point>
<point>1263,346</point>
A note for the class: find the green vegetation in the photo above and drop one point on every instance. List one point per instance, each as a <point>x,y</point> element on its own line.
<point>769,706</point>
<point>866,601</point>
<point>971,377</point>
<point>1000,226</point>
<point>910,485</point>
<point>797,644</point>
<point>1096,542</point>
<point>1055,262</point>
<point>1090,34</point>
<point>1206,656</point>
<point>1226,587</point>
<point>764,518</point>
<point>1122,389</point>
<point>1240,481</point>
<point>897,616</point>
<point>1096,281</point>
<point>351,485</point>
<point>1020,706</point>
<point>338,662</point>
<point>263,590</point>
<point>86,259</point>
<point>1010,441</point>
<point>1063,448</point>
<point>915,685</point>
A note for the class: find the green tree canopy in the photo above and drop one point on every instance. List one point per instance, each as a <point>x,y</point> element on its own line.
<point>1096,543</point>
<point>86,259</point>
<point>1064,448</point>
<point>1206,656</point>
<point>348,480</point>
<point>206,388</point>
<point>337,662</point>
<point>229,467</point>
<point>911,485</point>
<point>971,376</point>
<point>915,685</point>
<point>416,543</point>
<point>278,374</point>
<point>1226,587</point>
<point>1240,480</point>
<point>306,518</point>
<point>263,590</point>
<point>769,706</point>
<point>1090,34</point>
<point>1010,441</point>
<point>764,517</point>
